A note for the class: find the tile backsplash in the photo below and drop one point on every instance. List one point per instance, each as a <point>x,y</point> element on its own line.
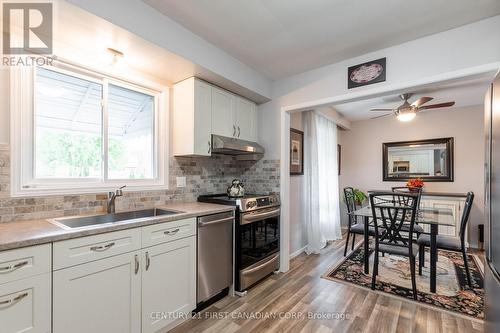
<point>203,176</point>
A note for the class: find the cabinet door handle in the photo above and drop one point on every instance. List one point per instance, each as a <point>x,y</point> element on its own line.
<point>234,130</point>
<point>172,232</point>
<point>102,247</point>
<point>239,132</point>
<point>209,147</point>
<point>148,260</point>
<point>136,264</point>
<point>15,299</point>
<point>13,267</point>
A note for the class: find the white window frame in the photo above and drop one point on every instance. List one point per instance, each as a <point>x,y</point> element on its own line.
<point>22,133</point>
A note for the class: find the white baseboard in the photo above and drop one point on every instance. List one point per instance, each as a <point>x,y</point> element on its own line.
<point>298,252</point>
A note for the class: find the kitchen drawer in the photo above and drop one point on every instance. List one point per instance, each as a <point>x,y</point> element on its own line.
<point>85,249</point>
<point>24,262</point>
<point>168,231</point>
<point>25,305</point>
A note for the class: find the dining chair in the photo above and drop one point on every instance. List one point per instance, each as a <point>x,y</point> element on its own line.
<point>408,189</point>
<point>392,210</point>
<point>448,242</point>
<point>417,190</point>
<point>354,227</point>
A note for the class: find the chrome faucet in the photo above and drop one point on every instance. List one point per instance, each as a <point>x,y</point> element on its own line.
<point>112,197</point>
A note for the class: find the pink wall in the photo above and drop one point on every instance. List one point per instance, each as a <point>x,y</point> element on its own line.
<point>362,152</point>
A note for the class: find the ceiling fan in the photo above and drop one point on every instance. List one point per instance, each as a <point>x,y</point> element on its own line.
<point>407,111</point>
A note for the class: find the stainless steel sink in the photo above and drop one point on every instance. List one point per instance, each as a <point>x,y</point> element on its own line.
<point>89,221</point>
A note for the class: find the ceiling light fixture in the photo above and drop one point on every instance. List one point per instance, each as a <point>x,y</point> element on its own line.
<point>407,111</point>
<point>406,116</point>
<point>116,55</point>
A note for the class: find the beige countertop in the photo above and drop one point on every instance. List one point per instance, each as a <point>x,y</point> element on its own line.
<point>26,233</point>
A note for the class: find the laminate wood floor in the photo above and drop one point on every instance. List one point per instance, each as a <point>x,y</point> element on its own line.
<point>338,307</point>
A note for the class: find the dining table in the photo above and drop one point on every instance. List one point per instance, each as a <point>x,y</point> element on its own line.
<point>433,217</point>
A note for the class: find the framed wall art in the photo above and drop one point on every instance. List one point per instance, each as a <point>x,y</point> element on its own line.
<point>366,73</point>
<point>296,152</point>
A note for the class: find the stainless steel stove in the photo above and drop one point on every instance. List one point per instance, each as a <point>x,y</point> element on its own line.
<point>256,235</point>
<point>249,202</point>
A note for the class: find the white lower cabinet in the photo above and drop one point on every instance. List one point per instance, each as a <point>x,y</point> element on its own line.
<point>168,284</point>
<point>25,305</point>
<point>147,290</point>
<point>100,296</point>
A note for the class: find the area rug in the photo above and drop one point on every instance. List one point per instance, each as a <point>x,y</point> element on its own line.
<point>452,292</point>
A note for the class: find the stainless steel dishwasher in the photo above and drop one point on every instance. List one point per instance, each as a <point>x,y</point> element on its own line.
<point>215,255</point>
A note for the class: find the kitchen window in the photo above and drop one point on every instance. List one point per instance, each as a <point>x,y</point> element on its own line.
<point>79,131</point>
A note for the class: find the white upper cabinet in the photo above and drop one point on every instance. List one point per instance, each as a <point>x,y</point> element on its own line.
<point>233,116</point>
<point>223,113</point>
<point>246,119</point>
<point>201,109</point>
<point>192,118</point>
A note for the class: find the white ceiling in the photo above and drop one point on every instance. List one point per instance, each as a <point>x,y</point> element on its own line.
<point>464,93</point>
<point>83,38</point>
<point>284,37</point>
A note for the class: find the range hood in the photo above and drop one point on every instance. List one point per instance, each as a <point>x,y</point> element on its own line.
<point>231,146</point>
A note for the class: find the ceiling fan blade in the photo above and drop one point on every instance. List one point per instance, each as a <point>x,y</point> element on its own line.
<point>385,110</point>
<point>382,116</point>
<point>437,106</point>
<point>421,101</point>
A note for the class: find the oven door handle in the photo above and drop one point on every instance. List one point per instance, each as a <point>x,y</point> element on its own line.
<point>249,218</point>
<point>254,269</point>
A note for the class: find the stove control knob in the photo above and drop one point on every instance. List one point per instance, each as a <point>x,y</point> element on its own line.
<point>251,204</point>
<point>271,200</point>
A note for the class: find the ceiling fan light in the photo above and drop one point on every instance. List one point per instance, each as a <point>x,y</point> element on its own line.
<point>407,116</point>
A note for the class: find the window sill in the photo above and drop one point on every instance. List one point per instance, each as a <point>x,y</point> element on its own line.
<point>38,192</point>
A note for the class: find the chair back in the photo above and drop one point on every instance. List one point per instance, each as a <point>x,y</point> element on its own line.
<point>350,201</point>
<point>465,215</point>
<point>392,210</point>
<point>407,189</point>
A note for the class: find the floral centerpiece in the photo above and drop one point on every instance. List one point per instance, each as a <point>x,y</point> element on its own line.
<point>415,185</point>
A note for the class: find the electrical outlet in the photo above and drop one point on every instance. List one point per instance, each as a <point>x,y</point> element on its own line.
<point>181,181</point>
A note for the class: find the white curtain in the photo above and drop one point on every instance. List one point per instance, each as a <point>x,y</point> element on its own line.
<point>321,197</point>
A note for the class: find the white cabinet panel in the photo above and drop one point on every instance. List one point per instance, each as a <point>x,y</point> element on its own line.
<point>201,109</point>
<point>100,296</point>
<point>25,305</point>
<point>223,114</point>
<point>246,120</point>
<point>168,284</point>
<point>456,207</point>
<point>192,118</point>
<point>85,249</point>
<point>166,232</point>
<point>24,262</point>
<point>202,118</point>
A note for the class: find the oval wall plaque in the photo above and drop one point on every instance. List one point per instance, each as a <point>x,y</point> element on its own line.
<point>364,74</point>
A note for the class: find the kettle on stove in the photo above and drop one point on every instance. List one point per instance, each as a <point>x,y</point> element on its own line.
<point>236,189</point>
